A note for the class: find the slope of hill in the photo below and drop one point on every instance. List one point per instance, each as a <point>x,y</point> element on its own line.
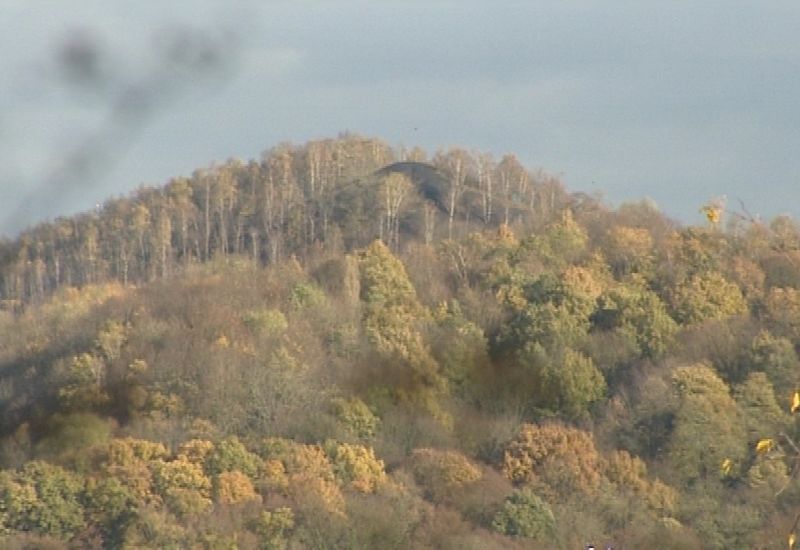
<point>334,348</point>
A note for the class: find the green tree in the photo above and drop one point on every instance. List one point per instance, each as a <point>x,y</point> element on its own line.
<point>42,498</point>
<point>563,242</point>
<point>638,313</point>
<point>707,296</point>
<point>552,310</point>
<point>273,526</point>
<point>111,505</point>
<point>183,486</point>
<point>708,426</point>
<point>229,455</point>
<point>355,416</point>
<point>566,382</point>
<point>460,347</point>
<point>762,414</point>
<point>777,358</point>
<point>526,515</point>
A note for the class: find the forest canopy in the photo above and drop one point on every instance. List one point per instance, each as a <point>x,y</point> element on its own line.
<point>348,345</point>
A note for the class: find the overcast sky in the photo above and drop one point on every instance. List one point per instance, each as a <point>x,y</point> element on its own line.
<point>679,101</point>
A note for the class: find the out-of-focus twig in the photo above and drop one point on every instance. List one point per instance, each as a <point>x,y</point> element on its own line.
<point>184,59</point>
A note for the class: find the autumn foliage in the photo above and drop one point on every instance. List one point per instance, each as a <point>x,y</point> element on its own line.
<point>348,345</point>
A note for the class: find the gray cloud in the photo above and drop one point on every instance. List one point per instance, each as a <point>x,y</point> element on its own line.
<point>681,101</point>
<point>98,101</point>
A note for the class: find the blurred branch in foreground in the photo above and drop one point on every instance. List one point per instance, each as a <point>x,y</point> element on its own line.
<point>127,98</point>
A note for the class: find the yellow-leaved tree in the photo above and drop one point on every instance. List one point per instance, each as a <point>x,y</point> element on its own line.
<point>393,322</point>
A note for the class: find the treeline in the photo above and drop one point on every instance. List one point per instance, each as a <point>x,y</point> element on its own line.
<point>563,374</point>
<point>335,194</point>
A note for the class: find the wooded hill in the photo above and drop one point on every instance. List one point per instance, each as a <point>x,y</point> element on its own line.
<point>334,194</point>
<point>349,346</point>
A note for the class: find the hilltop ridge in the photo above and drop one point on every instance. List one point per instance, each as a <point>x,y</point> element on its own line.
<point>328,193</point>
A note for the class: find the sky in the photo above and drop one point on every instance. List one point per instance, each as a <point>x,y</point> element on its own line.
<point>681,102</point>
